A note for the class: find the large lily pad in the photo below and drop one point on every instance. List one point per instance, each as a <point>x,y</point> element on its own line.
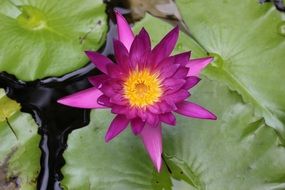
<point>248,41</point>
<point>19,147</point>
<point>228,154</point>
<point>40,38</point>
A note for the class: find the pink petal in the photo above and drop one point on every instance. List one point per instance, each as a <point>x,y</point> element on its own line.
<point>119,109</point>
<point>197,65</point>
<point>83,99</point>
<point>99,60</point>
<point>121,55</point>
<point>137,125</point>
<point>119,99</point>
<point>166,67</point>
<point>178,96</point>
<point>191,109</point>
<point>97,80</point>
<point>164,48</point>
<point>104,101</point>
<point>181,73</point>
<point>152,140</point>
<point>152,119</point>
<point>130,113</point>
<point>125,33</point>
<point>108,90</point>
<point>172,85</point>
<point>164,107</point>
<point>154,109</point>
<point>191,82</point>
<point>168,118</point>
<point>182,58</point>
<point>117,72</point>
<point>142,114</point>
<point>119,123</point>
<point>140,48</point>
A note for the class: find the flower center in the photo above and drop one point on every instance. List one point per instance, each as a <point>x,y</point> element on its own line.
<point>142,88</point>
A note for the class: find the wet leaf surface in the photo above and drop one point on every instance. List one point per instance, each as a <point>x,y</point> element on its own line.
<point>248,47</point>
<point>19,152</point>
<point>40,39</point>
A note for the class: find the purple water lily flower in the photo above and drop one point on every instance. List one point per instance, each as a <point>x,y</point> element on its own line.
<point>144,88</point>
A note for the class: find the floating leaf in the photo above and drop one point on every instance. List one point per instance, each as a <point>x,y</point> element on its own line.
<point>40,39</point>
<point>20,154</point>
<point>248,42</point>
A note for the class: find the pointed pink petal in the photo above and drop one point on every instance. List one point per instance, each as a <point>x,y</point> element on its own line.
<point>182,58</point>
<point>121,55</point>
<point>167,69</point>
<point>168,118</point>
<point>154,109</point>
<point>172,85</point>
<point>142,114</point>
<point>181,73</point>
<point>152,119</point>
<point>117,72</point>
<point>83,99</point>
<point>119,99</point>
<point>125,33</point>
<point>99,60</point>
<point>178,96</point>
<point>197,65</point>
<point>191,109</point>
<point>191,82</point>
<point>119,109</point>
<point>137,125</point>
<point>164,106</point>
<point>131,113</point>
<point>140,48</point>
<point>104,101</point>
<point>164,48</point>
<point>152,140</point>
<point>119,123</point>
<point>97,80</point>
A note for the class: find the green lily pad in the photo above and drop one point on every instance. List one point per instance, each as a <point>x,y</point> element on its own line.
<point>40,39</point>
<point>19,151</point>
<point>239,151</point>
<point>199,154</point>
<point>248,42</point>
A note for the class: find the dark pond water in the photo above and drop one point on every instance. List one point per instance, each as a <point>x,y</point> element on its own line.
<point>56,121</point>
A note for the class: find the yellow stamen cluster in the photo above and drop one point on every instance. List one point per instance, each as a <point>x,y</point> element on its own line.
<point>142,88</point>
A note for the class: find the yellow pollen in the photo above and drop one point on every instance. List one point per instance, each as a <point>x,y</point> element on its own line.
<point>142,88</point>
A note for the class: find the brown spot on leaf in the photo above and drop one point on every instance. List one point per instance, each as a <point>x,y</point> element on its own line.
<point>8,183</point>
